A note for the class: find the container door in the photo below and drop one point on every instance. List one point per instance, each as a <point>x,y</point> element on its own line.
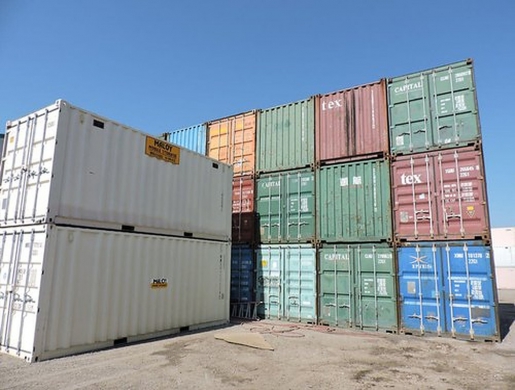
<point>336,289</point>
<point>471,302</point>
<point>243,143</point>
<point>414,198</point>
<point>376,300</point>
<point>461,188</point>
<point>269,205</point>
<point>242,274</point>
<point>455,118</point>
<point>300,206</point>
<point>269,261</point>
<point>410,124</point>
<point>299,284</point>
<point>21,263</point>
<point>26,171</point>
<point>421,287</point>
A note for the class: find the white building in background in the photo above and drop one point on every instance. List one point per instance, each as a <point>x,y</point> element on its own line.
<point>503,245</point>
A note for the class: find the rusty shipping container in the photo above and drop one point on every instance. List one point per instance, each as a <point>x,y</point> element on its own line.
<point>286,137</point>
<point>232,140</point>
<point>352,123</point>
<point>440,196</point>
<point>243,217</point>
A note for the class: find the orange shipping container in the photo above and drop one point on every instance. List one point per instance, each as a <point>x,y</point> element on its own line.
<point>232,140</point>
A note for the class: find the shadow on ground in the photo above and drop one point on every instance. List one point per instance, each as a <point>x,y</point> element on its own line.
<point>506,318</point>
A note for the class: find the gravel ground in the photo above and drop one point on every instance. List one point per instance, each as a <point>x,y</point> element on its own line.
<point>304,357</point>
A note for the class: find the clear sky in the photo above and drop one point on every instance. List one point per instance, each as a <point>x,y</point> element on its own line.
<point>159,65</point>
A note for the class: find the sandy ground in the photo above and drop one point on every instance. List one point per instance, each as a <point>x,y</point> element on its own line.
<point>304,357</point>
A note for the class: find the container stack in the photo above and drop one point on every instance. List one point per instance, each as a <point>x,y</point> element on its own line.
<point>108,236</point>
<point>357,284</point>
<point>285,204</point>
<point>232,140</point>
<point>440,210</point>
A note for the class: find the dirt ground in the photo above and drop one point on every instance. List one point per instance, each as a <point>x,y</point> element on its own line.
<point>304,357</point>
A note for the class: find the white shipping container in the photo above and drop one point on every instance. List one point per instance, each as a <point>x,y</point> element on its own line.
<point>65,290</point>
<point>68,166</point>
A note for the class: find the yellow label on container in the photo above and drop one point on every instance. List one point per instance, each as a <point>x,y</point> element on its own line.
<point>264,263</point>
<point>159,283</point>
<point>162,150</point>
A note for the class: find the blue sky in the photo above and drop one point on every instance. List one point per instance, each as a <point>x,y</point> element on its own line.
<point>159,65</point>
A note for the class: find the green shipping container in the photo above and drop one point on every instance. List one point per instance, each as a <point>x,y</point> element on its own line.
<point>433,109</point>
<point>354,202</point>
<point>286,282</point>
<point>285,204</point>
<point>357,287</point>
<point>286,137</point>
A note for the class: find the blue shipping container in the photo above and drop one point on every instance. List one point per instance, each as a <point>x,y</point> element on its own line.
<point>448,287</point>
<point>242,274</point>
<point>192,138</point>
<point>286,282</point>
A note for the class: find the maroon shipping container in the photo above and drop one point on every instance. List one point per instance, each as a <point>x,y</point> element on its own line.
<point>243,228</point>
<point>243,194</point>
<point>352,124</point>
<point>440,195</point>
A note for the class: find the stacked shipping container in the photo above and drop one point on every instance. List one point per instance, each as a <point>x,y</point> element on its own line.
<point>108,235</point>
<point>445,286</point>
<point>357,286</point>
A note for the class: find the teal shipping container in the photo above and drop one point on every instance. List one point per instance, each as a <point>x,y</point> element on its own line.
<point>433,109</point>
<point>286,282</point>
<point>357,287</point>
<point>285,205</point>
<point>354,202</point>
<point>286,137</point>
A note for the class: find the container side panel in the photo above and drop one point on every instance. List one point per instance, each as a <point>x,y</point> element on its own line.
<point>270,208</point>
<point>300,284</point>
<point>242,274</point>
<point>270,273</point>
<point>232,140</point>
<point>21,265</point>
<point>353,202</point>
<point>192,138</point>
<point>244,228</point>
<point>299,206</point>
<point>409,114</point>
<point>352,123</point>
<point>460,183</point>
<point>420,288</point>
<point>415,203</point>
<point>455,118</point>
<point>471,308</point>
<point>286,137</point>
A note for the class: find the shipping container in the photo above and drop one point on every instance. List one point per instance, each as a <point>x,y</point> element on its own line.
<point>433,109</point>
<point>354,202</point>
<point>505,278</point>
<point>66,290</point>
<point>232,140</point>
<point>244,228</point>
<point>285,204</point>
<point>243,274</point>
<point>286,282</point>
<point>243,194</point>
<point>448,287</point>
<point>65,165</point>
<point>192,138</point>
<point>352,124</point>
<point>286,137</point>
<point>357,287</point>
<point>440,195</point>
